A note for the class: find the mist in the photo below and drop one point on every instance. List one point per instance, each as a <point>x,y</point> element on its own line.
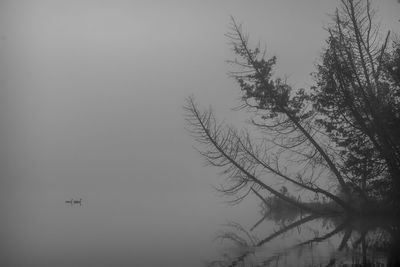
<point>91,108</point>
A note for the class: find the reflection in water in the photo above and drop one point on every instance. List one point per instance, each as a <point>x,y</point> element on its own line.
<point>312,240</point>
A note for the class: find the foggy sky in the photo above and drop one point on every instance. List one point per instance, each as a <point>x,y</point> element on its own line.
<point>91,107</point>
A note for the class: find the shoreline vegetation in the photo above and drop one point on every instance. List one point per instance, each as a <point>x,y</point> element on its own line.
<point>337,140</point>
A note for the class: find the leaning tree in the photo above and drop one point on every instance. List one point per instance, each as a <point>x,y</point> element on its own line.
<point>337,139</point>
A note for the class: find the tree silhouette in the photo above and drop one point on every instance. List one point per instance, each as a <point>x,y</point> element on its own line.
<point>337,141</point>
<point>357,99</point>
<point>345,128</point>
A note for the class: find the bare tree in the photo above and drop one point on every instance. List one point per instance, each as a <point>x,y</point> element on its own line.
<point>345,128</point>
<point>338,140</point>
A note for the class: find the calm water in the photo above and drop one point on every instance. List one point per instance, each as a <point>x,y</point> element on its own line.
<point>314,241</point>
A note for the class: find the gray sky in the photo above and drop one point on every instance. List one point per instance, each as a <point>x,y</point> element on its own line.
<point>91,107</point>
